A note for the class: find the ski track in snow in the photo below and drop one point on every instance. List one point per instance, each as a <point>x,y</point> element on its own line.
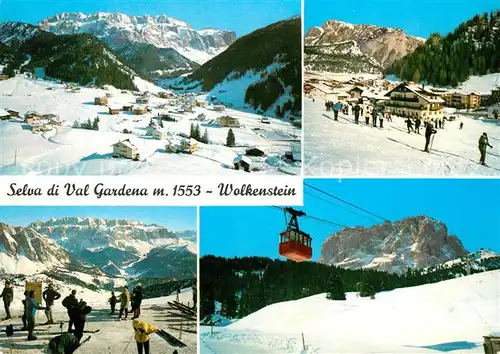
<point>345,149</point>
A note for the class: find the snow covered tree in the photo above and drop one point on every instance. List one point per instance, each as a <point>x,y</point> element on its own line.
<point>335,288</point>
<point>231,139</point>
<point>76,124</point>
<point>366,289</point>
<point>95,124</point>
<point>197,134</point>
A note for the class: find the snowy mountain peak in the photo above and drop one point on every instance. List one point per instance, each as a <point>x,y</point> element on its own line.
<point>413,242</point>
<point>119,30</point>
<point>382,44</point>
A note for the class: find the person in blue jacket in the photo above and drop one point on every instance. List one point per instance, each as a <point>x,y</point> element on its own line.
<point>31,307</point>
<point>336,108</point>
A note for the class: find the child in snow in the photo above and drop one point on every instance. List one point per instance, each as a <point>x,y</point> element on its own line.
<point>143,332</point>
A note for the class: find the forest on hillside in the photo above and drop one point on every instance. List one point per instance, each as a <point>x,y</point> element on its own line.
<point>473,48</point>
<point>245,285</point>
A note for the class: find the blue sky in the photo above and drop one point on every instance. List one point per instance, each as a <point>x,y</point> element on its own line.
<point>417,19</point>
<point>174,218</point>
<point>467,206</point>
<point>240,16</point>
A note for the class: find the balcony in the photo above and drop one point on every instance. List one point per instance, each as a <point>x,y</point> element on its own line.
<point>404,99</point>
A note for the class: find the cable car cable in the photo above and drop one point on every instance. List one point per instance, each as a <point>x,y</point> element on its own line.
<point>313,217</point>
<point>339,206</point>
<point>346,202</point>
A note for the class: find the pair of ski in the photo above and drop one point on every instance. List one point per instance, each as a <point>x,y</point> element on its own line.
<point>174,342</point>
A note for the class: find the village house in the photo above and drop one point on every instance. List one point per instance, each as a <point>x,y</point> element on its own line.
<point>4,115</point>
<point>227,121</point>
<point>125,149</point>
<point>494,111</point>
<point>411,101</point>
<point>128,108</point>
<point>101,101</point>
<point>52,119</point>
<point>166,94</point>
<point>495,95</point>
<point>40,126</point>
<point>150,128</point>
<point>114,110</point>
<point>160,133</point>
<point>200,103</point>
<point>141,100</point>
<point>186,145</point>
<point>138,110</point>
<point>31,117</point>
<point>355,92</point>
<point>463,100</point>
<point>242,162</point>
<point>13,113</point>
<point>295,153</point>
<point>219,108</point>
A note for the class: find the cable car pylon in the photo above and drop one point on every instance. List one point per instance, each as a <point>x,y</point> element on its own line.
<point>295,244</point>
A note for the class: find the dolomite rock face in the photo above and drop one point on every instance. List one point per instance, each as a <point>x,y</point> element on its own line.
<point>385,45</point>
<point>393,247</point>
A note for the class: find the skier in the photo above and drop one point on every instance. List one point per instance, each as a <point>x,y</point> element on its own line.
<point>69,302</point>
<point>124,302</point>
<point>195,295</point>
<point>79,317</point>
<point>112,302</point>
<point>50,295</point>
<point>66,343</point>
<point>461,125</point>
<point>374,116</point>
<point>495,113</point>
<point>429,130</point>
<point>8,296</point>
<point>357,109</point>
<point>31,307</point>
<point>409,125</point>
<point>483,143</point>
<point>136,301</point>
<point>367,114</point>
<point>418,121</point>
<point>336,109</point>
<point>381,119</point>
<point>143,332</point>
<point>178,293</point>
<point>24,317</point>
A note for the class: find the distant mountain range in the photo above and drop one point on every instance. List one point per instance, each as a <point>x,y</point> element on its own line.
<point>414,242</point>
<point>99,248</point>
<point>338,46</point>
<point>155,45</point>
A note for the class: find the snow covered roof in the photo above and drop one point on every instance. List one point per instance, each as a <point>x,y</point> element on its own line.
<point>4,113</point>
<point>243,158</point>
<point>127,143</point>
<point>115,108</point>
<point>421,92</point>
<point>161,130</point>
<point>40,123</point>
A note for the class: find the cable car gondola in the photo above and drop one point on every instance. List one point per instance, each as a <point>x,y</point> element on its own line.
<point>295,244</point>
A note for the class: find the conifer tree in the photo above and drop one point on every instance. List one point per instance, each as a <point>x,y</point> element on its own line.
<point>231,139</point>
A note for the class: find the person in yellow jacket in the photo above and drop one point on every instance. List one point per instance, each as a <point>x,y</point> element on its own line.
<point>143,332</point>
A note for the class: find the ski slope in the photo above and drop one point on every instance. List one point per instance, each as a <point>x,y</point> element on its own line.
<point>114,337</point>
<point>69,151</point>
<point>452,316</point>
<point>345,149</point>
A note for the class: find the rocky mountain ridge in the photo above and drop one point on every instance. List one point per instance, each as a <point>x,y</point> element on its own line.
<point>414,242</point>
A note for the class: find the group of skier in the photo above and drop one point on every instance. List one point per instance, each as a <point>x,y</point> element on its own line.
<point>413,124</point>
<point>127,299</point>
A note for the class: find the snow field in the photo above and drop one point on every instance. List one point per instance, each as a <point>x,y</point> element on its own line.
<point>452,315</point>
<point>345,149</point>
<point>68,151</point>
<point>114,337</point>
